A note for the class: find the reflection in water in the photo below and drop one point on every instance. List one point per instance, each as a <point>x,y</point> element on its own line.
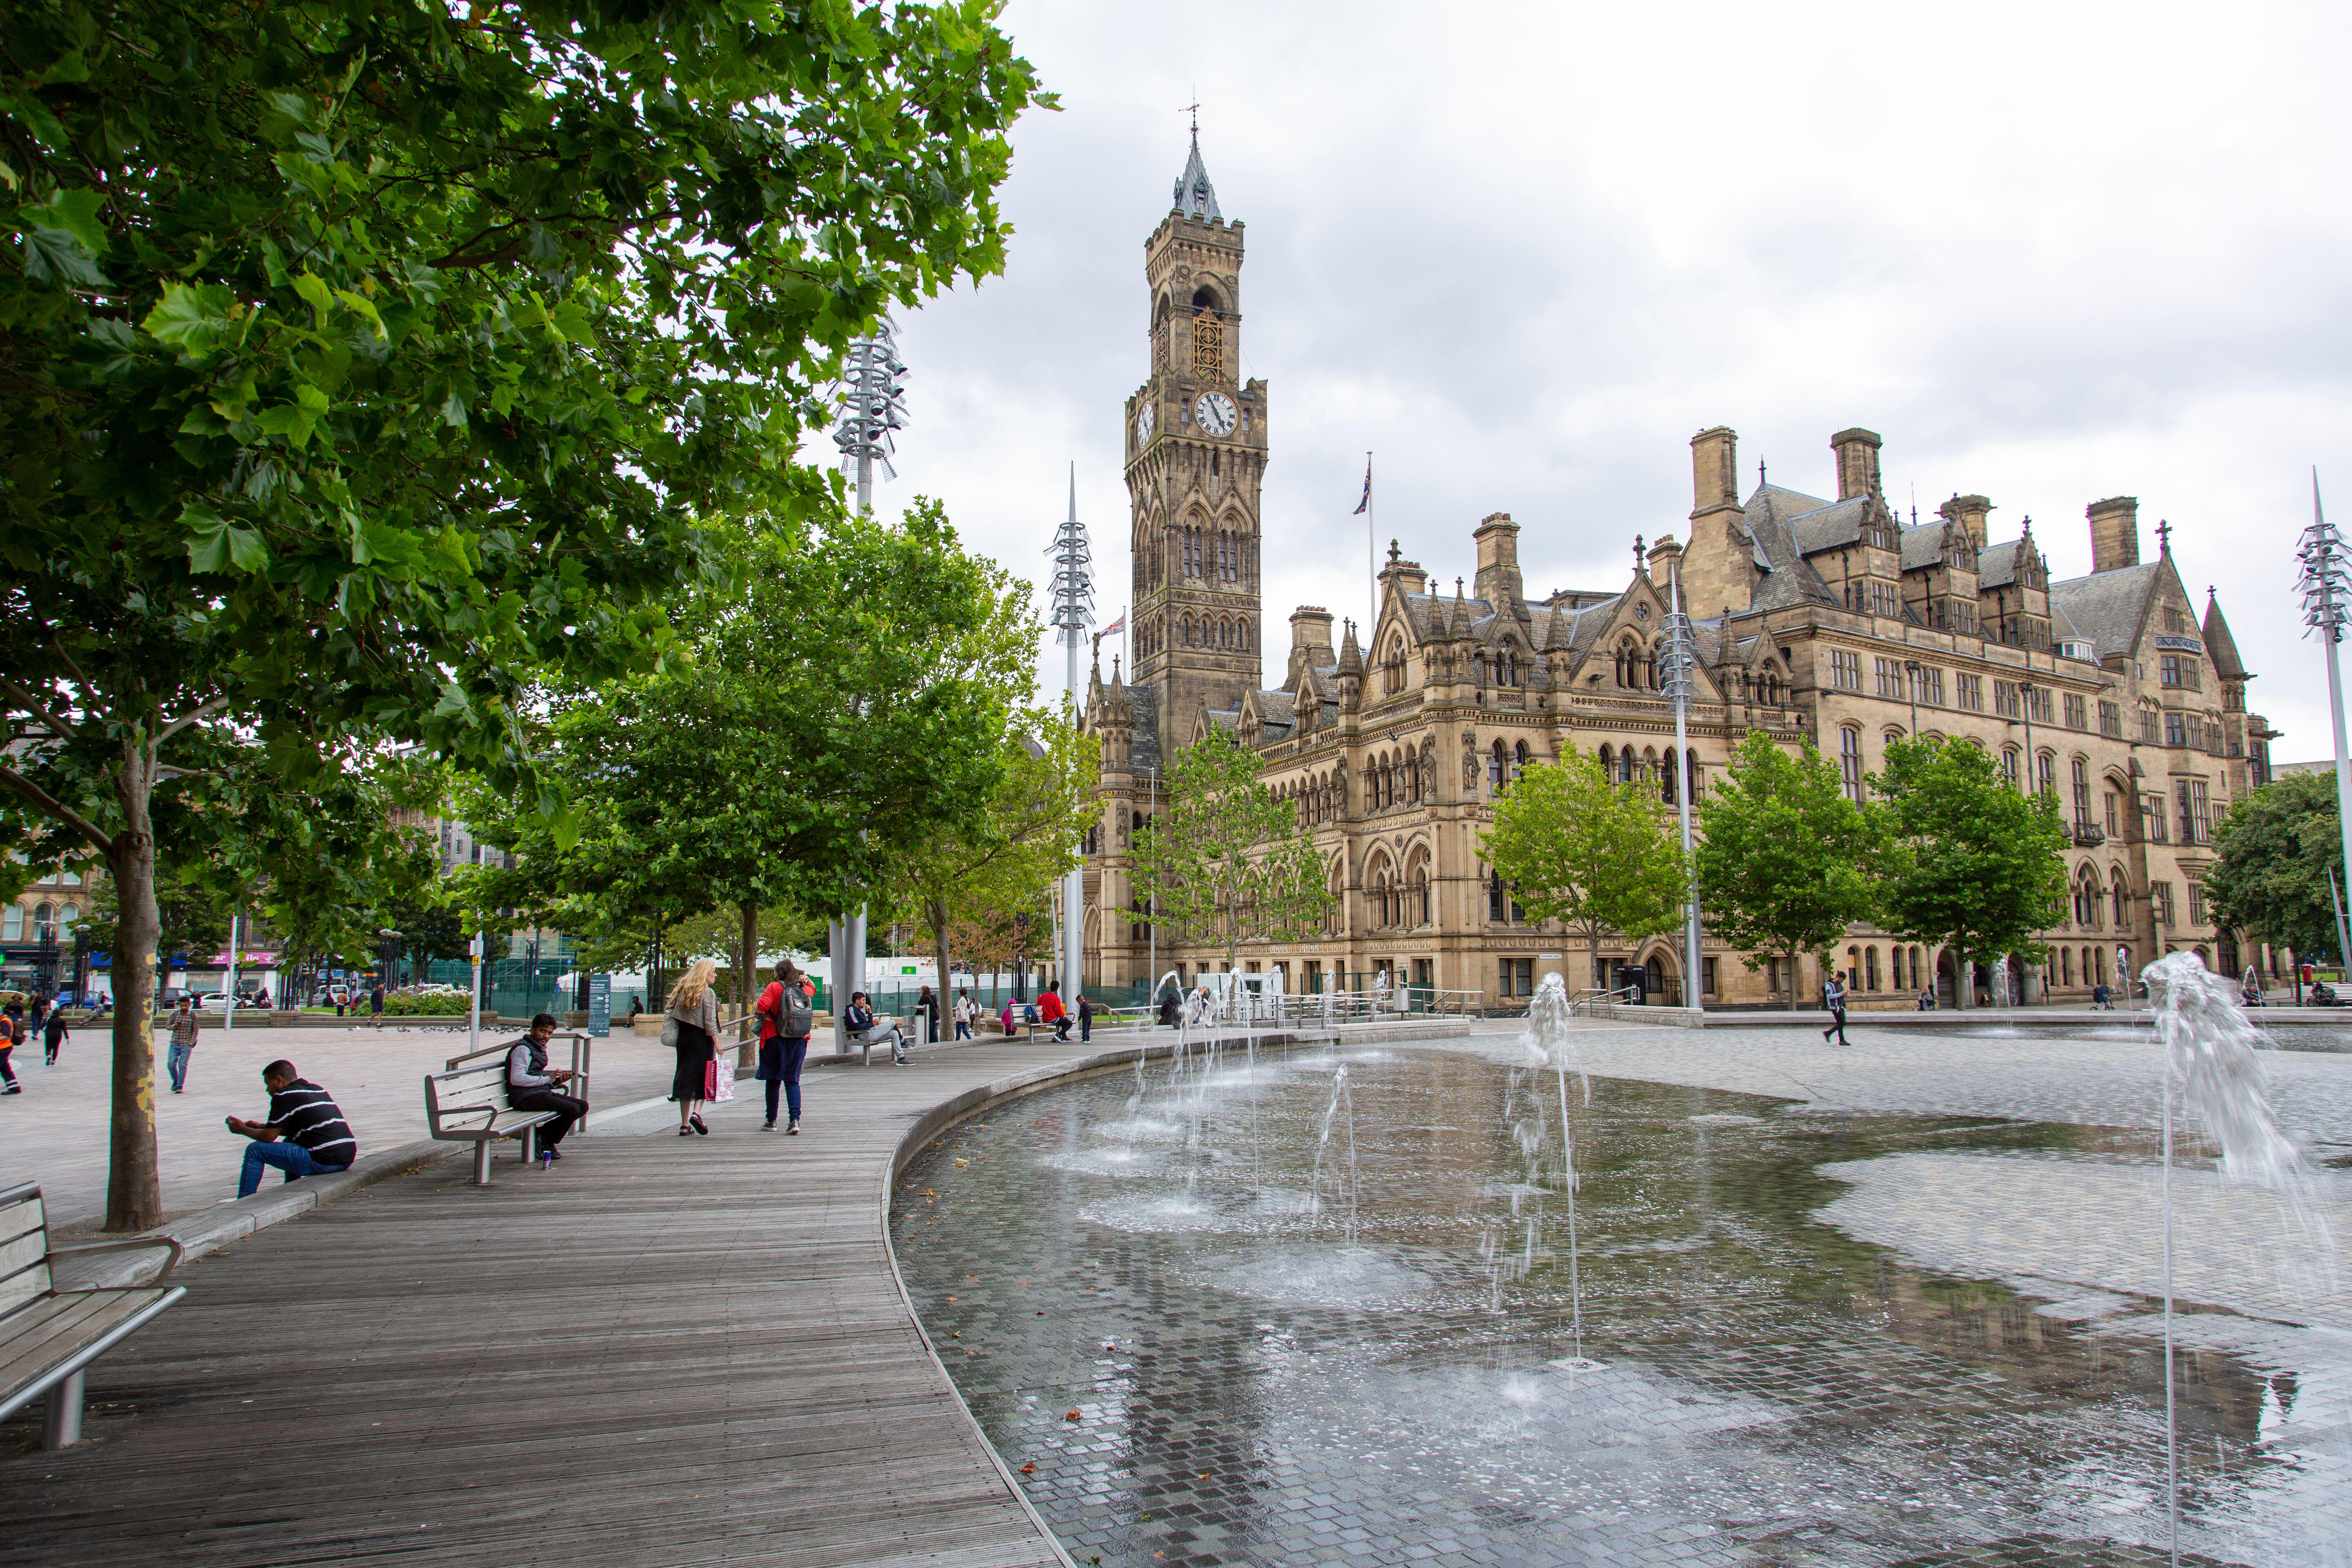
<point>1264,1378</point>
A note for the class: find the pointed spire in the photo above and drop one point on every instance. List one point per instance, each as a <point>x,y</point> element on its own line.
<point>2220,645</point>
<point>1074,490</point>
<point>1351,659</point>
<point>1195,197</point>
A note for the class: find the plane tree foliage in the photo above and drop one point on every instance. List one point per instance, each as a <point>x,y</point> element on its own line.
<point>367,361</point>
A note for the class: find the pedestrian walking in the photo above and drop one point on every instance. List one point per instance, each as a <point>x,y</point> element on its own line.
<point>53,1033</point>
<point>183,1042</point>
<point>928,1005</point>
<point>1834,999</point>
<point>375,1008</point>
<point>690,1026</point>
<point>965,1013</point>
<point>1086,1017</point>
<point>8,1084</point>
<point>787,1010</point>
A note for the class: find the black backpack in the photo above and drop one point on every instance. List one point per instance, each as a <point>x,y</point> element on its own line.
<point>795,1017</point>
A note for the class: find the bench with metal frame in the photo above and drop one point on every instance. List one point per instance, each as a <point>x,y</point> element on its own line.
<point>466,1102</point>
<point>48,1337</point>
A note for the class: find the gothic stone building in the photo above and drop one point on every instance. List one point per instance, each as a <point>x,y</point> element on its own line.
<point>1832,620</point>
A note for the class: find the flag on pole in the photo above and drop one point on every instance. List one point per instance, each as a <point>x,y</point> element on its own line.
<point>1365,505</point>
<point>1117,626</point>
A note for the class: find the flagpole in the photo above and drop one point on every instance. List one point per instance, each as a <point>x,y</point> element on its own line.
<point>1371,548</point>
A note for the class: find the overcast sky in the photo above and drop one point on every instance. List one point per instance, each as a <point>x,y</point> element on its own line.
<point>2050,252</point>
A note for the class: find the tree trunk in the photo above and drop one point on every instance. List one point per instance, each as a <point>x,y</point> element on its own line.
<point>747,986</point>
<point>1593,950</point>
<point>936,911</point>
<point>1963,981</point>
<point>134,1193</point>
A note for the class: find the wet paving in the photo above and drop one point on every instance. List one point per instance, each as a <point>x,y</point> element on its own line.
<point>1232,1318</point>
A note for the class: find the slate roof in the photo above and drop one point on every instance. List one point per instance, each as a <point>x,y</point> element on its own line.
<point>1996,565</point>
<point>1195,197</point>
<point>1146,747</point>
<point>1788,579</point>
<point>1923,545</point>
<point>1828,527</point>
<point>2220,645</point>
<point>2107,608</point>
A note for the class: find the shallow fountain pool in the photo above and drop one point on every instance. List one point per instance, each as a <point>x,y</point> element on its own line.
<point>1203,1330</point>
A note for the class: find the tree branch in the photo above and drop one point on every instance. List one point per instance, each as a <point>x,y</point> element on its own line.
<point>27,700</point>
<point>42,800</point>
<point>194,715</point>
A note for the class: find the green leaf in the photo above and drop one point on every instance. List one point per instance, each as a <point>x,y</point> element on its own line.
<point>195,319</point>
<point>315,293</point>
<point>361,304</point>
<point>217,544</point>
<point>76,212</point>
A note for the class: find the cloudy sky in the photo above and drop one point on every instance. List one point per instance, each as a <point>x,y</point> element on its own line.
<point>2050,252</point>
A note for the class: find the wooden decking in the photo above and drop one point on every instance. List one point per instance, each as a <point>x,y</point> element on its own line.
<point>665,1351</point>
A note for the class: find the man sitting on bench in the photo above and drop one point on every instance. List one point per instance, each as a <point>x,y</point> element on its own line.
<point>867,1030</point>
<point>531,1086</point>
<point>305,1135</point>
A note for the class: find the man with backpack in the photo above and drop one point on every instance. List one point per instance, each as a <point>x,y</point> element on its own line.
<point>787,1012</point>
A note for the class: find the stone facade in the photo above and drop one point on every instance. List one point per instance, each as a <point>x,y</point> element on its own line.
<point>1830,619</point>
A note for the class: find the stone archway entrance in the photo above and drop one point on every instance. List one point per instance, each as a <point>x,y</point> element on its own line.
<point>1948,986</point>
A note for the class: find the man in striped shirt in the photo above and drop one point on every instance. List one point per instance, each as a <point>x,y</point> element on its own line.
<point>305,1135</point>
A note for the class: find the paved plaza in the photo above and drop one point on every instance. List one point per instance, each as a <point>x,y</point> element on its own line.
<point>56,1131</point>
<point>1912,1327</point>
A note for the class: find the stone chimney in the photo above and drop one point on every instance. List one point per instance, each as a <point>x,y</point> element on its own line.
<point>2115,532</point>
<point>1970,513</point>
<point>1857,462</point>
<point>1666,555</point>
<point>1310,640</point>
<point>1715,471</point>
<point>1721,562</point>
<point>1499,563</point>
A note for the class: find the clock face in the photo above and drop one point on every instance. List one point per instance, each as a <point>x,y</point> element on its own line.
<point>1144,421</point>
<point>1216,413</point>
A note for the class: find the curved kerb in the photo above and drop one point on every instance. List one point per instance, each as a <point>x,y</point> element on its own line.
<point>935,1121</point>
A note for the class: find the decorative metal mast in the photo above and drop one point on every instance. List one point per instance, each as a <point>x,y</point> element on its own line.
<point>1681,684</point>
<point>2325,583</point>
<point>1073,612</point>
<point>873,401</point>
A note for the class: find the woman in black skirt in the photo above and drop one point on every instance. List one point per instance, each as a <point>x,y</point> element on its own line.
<point>692,1022</point>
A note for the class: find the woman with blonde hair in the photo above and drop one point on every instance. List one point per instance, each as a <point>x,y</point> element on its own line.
<point>691,1023</point>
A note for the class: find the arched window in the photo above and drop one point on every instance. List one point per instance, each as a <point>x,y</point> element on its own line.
<point>2046,772</point>
<point>1608,760</point>
<point>1850,762</point>
<point>2120,898</point>
<point>1494,897</point>
<point>1666,779</point>
<point>2008,766</point>
<point>1393,667</point>
<point>45,922</point>
<point>1869,968</point>
<point>1519,760</point>
<point>1412,777</point>
<point>1495,763</point>
<point>2079,771</point>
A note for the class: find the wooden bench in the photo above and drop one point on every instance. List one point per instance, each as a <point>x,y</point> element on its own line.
<point>470,1104</point>
<point>48,1337</point>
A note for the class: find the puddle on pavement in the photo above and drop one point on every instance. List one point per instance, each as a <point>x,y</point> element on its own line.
<point>1235,1351</point>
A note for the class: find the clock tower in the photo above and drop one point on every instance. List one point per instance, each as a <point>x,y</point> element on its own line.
<point>1195,459</point>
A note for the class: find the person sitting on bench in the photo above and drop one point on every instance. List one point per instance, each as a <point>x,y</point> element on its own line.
<point>305,1135</point>
<point>867,1030</point>
<point>531,1085</point>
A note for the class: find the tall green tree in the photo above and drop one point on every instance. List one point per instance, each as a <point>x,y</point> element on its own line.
<point>840,703</point>
<point>1226,859</point>
<point>1785,862</point>
<point>1967,860</point>
<point>985,877</point>
<point>1596,856</point>
<point>365,360</point>
<point>2272,853</point>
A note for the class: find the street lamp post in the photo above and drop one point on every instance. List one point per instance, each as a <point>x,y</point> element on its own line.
<point>872,397</point>
<point>1911,668</point>
<point>1682,652</point>
<point>1073,597</point>
<point>2325,583</point>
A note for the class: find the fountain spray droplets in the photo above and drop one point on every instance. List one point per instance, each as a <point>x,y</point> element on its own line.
<point>2208,1052</point>
<point>1550,1046</point>
<point>1338,1120</point>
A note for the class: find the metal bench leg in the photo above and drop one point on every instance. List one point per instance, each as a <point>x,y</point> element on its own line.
<point>61,1414</point>
<point>482,1162</point>
<point>529,1140</point>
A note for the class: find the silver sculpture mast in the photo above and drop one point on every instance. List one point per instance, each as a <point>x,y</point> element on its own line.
<point>873,401</point>
<point>2326,583</point>
<point>1681,654</point>
<point>1073,612</point>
